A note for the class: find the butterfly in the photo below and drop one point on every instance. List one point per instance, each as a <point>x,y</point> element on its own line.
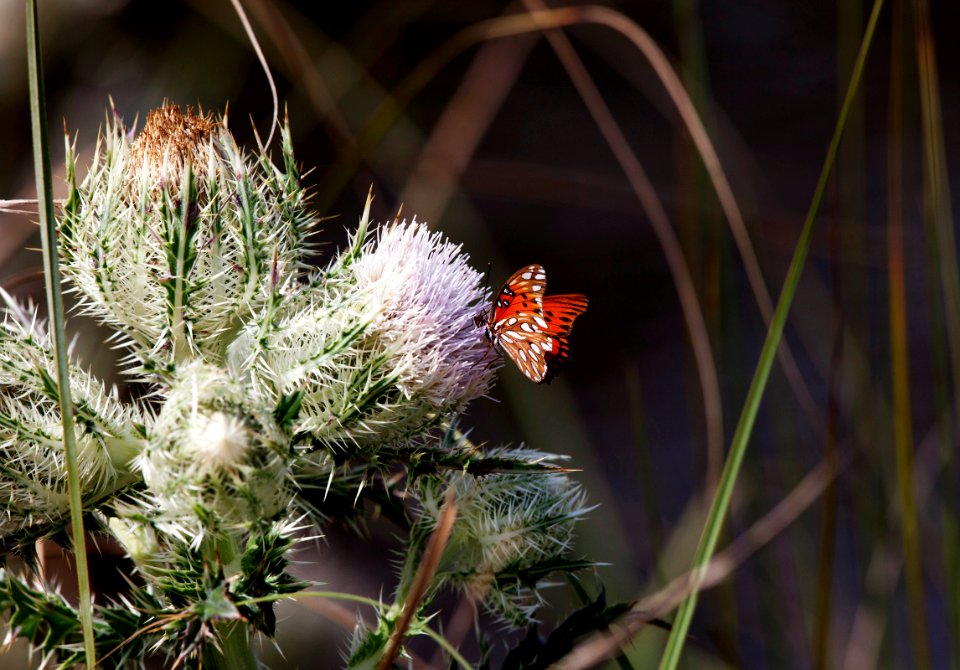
<point>532,328</point>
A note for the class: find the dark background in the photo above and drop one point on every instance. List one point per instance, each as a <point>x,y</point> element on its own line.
<point>541,185</point>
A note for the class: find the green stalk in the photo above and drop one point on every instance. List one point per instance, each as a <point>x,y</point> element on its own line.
<point>828,514</point>
<point>721,500</point>
<point>936,182</point>
<point>699,228</point>
<point>332,595</point>
<point>48,236</point>
<point>447,647</point>
<point>233,651</point>
<point>353,598</point>
<point>850,288</point>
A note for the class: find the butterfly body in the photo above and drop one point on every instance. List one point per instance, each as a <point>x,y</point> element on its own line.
<point>531,328</point>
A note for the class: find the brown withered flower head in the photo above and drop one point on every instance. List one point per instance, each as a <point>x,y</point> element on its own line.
<point>169,140</point>
<point>174,259</point>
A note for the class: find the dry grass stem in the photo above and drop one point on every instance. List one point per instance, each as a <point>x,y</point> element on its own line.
<point>647,195</point>
<point>463,123</point>
<point>252,36</point>
<point>421,582</point>
<point>301,69</point>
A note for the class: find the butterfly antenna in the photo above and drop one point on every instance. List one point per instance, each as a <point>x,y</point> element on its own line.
<point>480,318</point>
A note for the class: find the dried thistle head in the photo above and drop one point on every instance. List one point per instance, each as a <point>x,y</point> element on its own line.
<point>176,235</point>
<point>170,141</point>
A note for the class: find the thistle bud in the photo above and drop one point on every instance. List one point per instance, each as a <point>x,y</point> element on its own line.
<point>511,531</point>
<point>33,482</point>
<point>214,461</point>
<point>176,234</point>
<point>138,539</point>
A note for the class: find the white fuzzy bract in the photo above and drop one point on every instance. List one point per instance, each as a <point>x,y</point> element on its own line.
<point>33,483</point>
<point>217,441</point>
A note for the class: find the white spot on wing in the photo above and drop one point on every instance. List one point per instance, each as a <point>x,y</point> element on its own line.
<point>522,354</point>
<point>526,275</point>
<point>540,276</point>
<point>526,326</point>
<point>540,321</point>
<point>536,288</point>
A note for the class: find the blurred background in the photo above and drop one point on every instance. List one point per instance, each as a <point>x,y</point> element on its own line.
<point>492,144</point>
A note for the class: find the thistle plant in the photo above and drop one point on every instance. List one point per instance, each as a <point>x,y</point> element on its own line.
<point>280,398</point>
<point>513,529</point>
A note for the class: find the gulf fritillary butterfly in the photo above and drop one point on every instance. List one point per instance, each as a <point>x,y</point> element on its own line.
<point>532,328</point>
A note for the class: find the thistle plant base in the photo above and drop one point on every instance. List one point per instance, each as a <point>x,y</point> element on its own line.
<point>281,399</point>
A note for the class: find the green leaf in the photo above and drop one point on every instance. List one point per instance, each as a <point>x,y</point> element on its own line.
<point>216,606</point>
<point>288,408</point>
<point>533,652</point>
<point>263,573</point>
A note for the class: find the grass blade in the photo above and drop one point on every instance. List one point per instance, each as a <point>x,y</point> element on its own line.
<point>899,353</point>
<point>941,246</point>
<point>721,500</point>
<point>48,233</point>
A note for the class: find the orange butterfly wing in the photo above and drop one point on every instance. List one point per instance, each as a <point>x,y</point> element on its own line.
<point>560,311</point>
<point>531,328</point>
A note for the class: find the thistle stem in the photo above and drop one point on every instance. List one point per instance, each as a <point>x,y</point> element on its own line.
<point>234,652</point>
<point>233,649</point>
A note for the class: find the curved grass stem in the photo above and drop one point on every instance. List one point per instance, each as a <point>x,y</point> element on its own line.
<point>669,243</point>
<point>447,647</point>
